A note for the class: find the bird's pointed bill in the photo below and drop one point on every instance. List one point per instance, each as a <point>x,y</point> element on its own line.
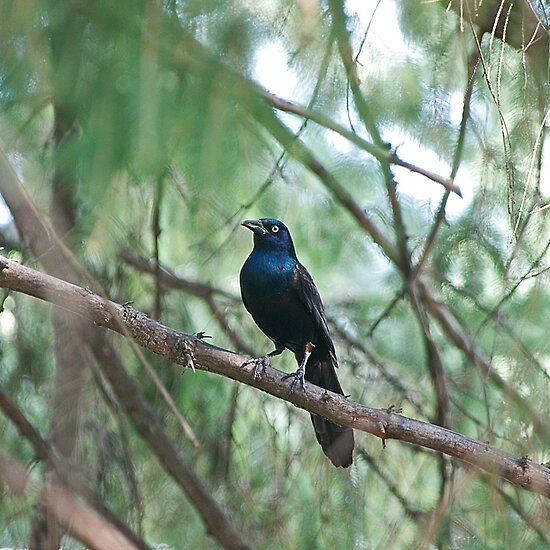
<point>255,226</point>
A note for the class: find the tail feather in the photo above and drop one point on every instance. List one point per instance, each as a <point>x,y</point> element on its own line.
<point>337,441</point>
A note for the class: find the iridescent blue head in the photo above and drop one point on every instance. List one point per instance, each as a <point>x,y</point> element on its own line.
<point>271,234</point>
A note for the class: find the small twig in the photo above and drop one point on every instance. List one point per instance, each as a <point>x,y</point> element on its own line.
<point>169,279</point>
<point>387,310</point>
<point>380,153</point>
<point>462,341</point>
<point>393,380</point>
<point>412,512</point>
<point>440,215</point>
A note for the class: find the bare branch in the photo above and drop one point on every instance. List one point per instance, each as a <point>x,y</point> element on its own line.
<point>186,350</point>
<point>169,279</point>
<point>378,152</point>
<point>63,479</point>
<point>80,520</point>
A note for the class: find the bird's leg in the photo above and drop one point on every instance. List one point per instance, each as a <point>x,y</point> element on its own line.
<point>263,361</point>
<point>300,373</point>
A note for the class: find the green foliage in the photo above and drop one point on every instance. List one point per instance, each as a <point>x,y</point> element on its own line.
<point>160,107</point>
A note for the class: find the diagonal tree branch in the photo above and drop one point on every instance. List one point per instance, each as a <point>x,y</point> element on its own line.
<point>66,487</point>
<point>57,258</point>
<point>382,154</point>
<point>462,341</point>
<point>189,350</point>
<point>79,519</point>
<point>149,426</point>
<point>201,290</point>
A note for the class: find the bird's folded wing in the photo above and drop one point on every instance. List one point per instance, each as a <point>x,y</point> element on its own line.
<point>309,296</point>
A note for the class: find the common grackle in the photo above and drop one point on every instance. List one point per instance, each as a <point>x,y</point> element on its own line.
<point>281,296</point>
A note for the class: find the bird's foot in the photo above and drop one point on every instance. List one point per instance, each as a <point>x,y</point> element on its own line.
<point>260,364</point>
<point>298,378</point>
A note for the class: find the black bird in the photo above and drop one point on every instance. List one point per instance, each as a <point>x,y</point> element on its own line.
<point>281,296</point>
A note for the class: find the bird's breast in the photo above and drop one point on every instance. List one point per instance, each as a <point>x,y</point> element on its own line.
<point>269,295</point>
<point>266,274</point>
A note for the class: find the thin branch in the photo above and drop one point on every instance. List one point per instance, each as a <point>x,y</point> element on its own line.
<point>378,152</point>
<point>205,292</point>
<point>440,216</point>
<point>462,341</point>
<point>169,279</point>
<point>393,487</point>
<point>536,147</point>
<point>189,350</point>
<point>385,314</point>
<point>433,360</point>
<point>505,133</point>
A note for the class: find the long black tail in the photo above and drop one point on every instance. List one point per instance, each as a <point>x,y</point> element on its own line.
<point>336,440</point>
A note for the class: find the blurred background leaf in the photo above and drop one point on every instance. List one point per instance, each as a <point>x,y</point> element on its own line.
<point>164,119</point>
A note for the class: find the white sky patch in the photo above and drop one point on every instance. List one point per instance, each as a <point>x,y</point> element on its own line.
<point>271,70</point>
<point>16,162</point>
<point>456,106</point>
<point>419,186</point>
<point>384,32</point>
<point>5,215</point>
<point>545,168</point>
<point>8,325</point>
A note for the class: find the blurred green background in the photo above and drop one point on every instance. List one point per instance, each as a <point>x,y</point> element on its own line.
<point>145,123</point>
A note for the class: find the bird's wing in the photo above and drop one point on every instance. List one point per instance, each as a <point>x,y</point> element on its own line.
<point>309,296</point>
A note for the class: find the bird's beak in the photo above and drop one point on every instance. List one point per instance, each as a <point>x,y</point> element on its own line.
<point>255,226</point>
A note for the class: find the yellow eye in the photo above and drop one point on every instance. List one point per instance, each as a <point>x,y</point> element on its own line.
<point>275,229</point>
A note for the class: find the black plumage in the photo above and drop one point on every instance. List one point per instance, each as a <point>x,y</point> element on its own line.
<point>282,298</point>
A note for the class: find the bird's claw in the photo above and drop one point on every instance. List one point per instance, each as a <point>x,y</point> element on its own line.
<point>298,377</point>
<point>260,363</point>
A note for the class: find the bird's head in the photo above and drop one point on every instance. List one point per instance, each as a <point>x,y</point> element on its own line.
<point>270,234</point>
